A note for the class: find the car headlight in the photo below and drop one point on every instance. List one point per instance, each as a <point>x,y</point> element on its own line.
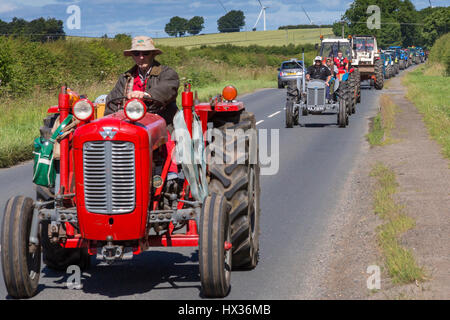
<point>135,110</point>
<point>83,109</point>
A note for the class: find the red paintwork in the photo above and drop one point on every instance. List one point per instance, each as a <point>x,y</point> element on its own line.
<point>177,240</point>
<point>64,108</point>
<point>72,243</point>
<point>53,109</point>
<point>220,106</point>
<point>147,135</point>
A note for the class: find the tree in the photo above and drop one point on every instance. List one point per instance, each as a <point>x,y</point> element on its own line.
<point>176,27</point>
<point>436,24</point>
<point>195,25</point>
<point>122,37</point>
<point>399,21</point>
<point>233,21</point>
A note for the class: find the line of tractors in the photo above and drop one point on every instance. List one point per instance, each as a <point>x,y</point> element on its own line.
<point>104,186</point>
<point>365,62</point>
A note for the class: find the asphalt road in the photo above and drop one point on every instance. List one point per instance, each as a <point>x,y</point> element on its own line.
<point>297,203</point>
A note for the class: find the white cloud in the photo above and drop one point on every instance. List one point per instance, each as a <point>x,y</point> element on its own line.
<point>7,7</point>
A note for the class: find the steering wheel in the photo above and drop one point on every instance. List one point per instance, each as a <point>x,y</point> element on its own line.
<point>145,98</point>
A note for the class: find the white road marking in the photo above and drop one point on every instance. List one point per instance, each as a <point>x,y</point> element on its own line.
<point>259,121</point>
<point>273,114</point>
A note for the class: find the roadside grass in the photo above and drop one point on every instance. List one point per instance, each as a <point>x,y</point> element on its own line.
<point>429,90</point>
<point>399,261</point>
<point>21,117</point>
<point>247,38</point>
<point>380,131</point>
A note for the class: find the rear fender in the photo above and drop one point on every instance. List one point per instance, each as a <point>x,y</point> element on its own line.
<point>53,109</point>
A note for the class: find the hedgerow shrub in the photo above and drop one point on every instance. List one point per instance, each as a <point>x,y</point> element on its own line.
<point>26,66</point>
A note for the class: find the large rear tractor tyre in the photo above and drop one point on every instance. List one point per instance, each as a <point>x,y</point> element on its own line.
<point>238,180</point>
<point>358,85</point>
<point>354,93</point>
<point>21,262</point>
<point>379,82</point>
<point>215,257</point>
<point>342,117</point>
<point>402,64</point>
<point>345,94</point>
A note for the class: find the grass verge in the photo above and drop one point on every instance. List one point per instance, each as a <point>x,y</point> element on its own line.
<point>429,90</point>
<point>399,261</point>
<point>380,130</point>
<point>247,38</point>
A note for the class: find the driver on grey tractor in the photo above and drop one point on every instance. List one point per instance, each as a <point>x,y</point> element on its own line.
<point>147,78</point>
<point>318,71</point>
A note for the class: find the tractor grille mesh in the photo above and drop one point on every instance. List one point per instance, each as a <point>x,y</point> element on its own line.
<point>316,96</point>
<point>109,176</point>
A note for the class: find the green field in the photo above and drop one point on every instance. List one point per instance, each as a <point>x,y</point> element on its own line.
<point>246,38</point>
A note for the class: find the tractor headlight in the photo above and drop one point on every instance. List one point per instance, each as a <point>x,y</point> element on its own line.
<point>83,109</point>
<point>135,110</point>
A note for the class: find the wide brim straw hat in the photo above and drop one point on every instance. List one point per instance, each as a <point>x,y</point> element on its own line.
<point>142,43</point>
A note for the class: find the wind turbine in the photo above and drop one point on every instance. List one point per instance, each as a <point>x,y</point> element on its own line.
<point>310,21</point>
<point>262,12</point>
<point>226,11</point>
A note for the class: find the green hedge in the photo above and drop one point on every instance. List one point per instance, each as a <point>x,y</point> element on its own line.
<point>25,65</point>
<point>440,52</point>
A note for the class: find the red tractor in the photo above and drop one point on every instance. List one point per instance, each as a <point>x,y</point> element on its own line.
<point>112,196</point>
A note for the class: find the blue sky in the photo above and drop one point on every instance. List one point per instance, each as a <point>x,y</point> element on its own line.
<point>150,16</point>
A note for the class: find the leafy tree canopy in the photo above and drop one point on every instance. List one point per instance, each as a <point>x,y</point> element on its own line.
<point>176,27</point>
<point>233,21</point>
<point>195,25</point>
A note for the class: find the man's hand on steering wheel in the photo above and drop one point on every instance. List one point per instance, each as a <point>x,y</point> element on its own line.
<point>138,95</point>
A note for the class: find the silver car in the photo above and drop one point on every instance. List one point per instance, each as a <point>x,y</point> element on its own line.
<point>289,70</point>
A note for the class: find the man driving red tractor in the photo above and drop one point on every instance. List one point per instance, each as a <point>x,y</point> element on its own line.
<point>147,78</point>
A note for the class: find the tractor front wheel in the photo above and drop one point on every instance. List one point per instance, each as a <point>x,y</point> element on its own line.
<point>21,261</point>
<point>289,114</point>
<point>215,255</point>
<point>280,85</point>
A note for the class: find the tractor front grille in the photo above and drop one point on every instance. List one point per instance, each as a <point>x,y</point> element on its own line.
<point>316,96</point>
<point>109,177</point>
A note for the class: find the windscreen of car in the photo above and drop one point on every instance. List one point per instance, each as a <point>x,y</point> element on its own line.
<point>363,44</point>
<point>291,65</point>
<point>330,49</point>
